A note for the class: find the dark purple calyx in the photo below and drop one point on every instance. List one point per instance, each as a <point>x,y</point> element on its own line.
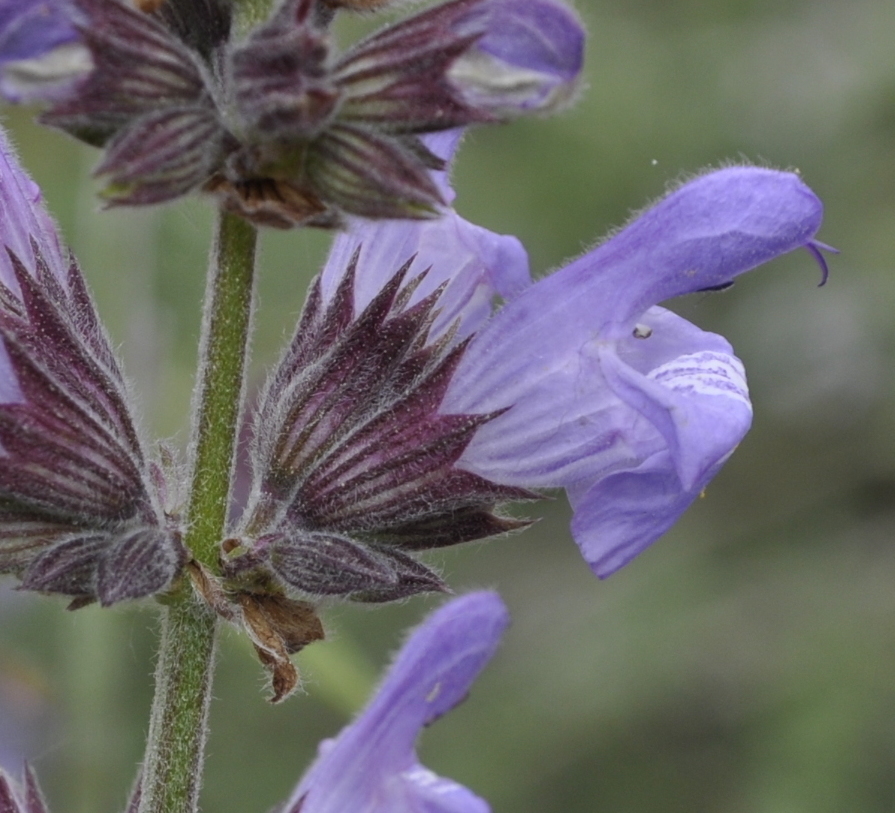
<point>77,511</point>
<point>353,464</point>
<point>277,127</point>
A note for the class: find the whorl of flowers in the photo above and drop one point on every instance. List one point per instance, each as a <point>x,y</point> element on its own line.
<point>277,124</point>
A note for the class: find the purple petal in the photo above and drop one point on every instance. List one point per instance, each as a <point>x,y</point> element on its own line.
<point>30,28</point>
<point>588,413</point>
<point>529,58</point>
<point>371,767</point>
<point>22,219</point>
<point>444,145</point>
<point>703,235</point>
<point>623,514</point>
<point>476,264</point>
<point>700,405</point>
<point>698,400</point>
<point>39,49</point>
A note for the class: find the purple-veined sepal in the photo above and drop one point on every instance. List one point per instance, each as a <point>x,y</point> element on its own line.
<point>80,513</point>
<point>21,798</point>
<point>278,127</point>
<point>353,467</point>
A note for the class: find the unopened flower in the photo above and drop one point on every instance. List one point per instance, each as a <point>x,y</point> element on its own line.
<point>403,414</point>
<point>79,510</point>
<point>372,767</point>
<point>281,128</point>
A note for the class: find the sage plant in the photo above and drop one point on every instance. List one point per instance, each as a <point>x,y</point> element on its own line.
<point>429,381</point>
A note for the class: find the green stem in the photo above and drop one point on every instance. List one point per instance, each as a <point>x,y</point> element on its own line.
<point>172,768</point>
<point>222,357</point>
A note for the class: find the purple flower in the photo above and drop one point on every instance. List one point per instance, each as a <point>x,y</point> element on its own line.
<point>40,50</point>
<point>430,411</point>
<point>628,407</point>
<point>371,767</point>
<point>80,512</point>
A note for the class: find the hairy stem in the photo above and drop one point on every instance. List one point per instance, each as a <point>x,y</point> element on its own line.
<point>172,769</point>
<point>222,358</point>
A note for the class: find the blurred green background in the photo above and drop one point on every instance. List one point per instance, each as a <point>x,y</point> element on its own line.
<point>745,663</point>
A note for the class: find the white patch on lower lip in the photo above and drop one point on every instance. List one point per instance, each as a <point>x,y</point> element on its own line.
<point>704,373</point>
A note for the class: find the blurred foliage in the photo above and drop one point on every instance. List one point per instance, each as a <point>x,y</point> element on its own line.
<point>744,663</point>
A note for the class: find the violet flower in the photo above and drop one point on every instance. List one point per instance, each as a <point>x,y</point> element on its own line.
<point>627,406</point>
<point>80,506</point>
<point>403,414</point>
<point>371,767</point>
<point>40,50</point>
